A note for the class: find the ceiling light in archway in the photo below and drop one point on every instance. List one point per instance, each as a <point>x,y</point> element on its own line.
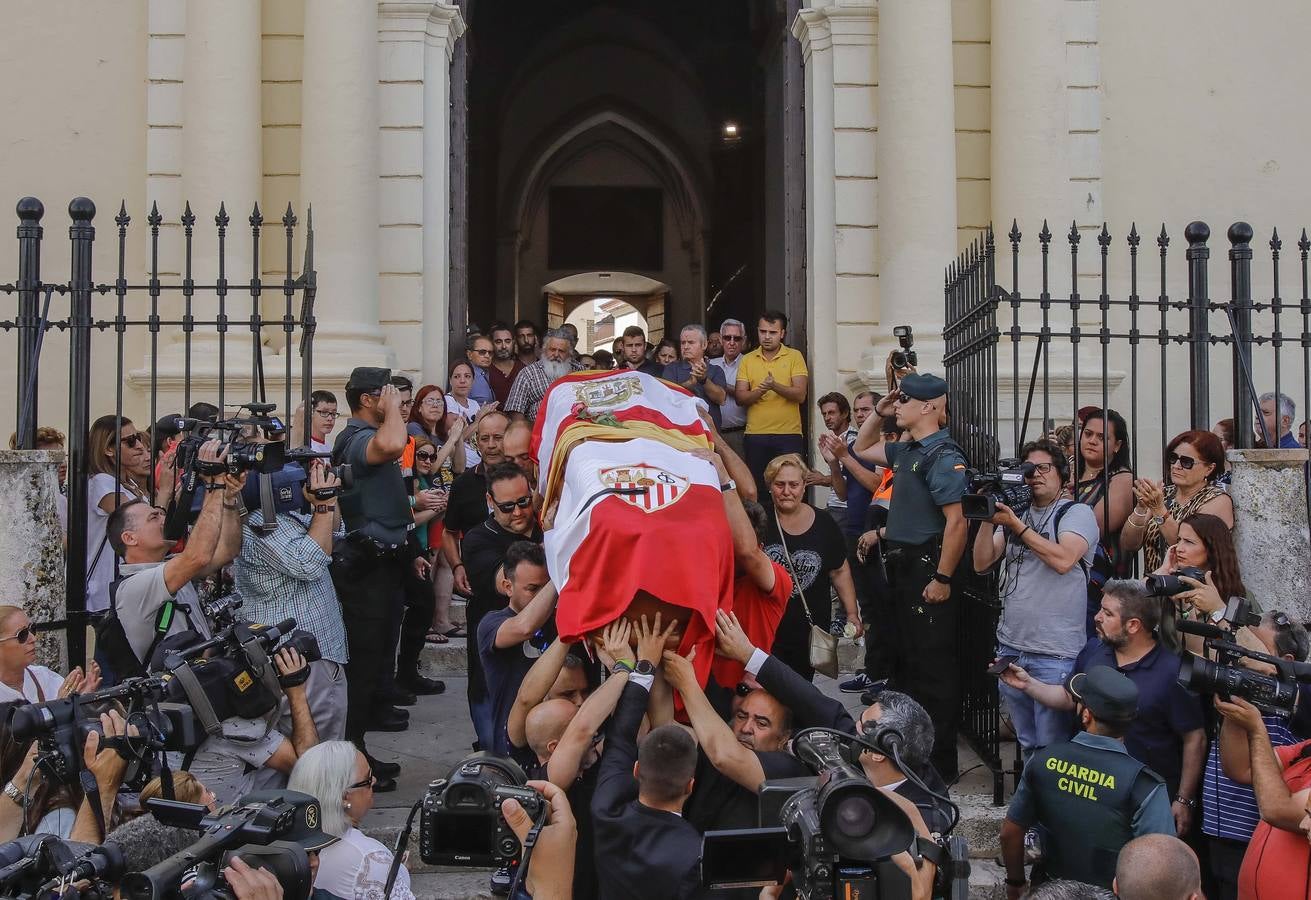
<point>732,132</point>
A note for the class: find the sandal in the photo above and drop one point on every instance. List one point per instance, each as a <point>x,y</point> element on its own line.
<point>457,631</point>
<point>436,637</point>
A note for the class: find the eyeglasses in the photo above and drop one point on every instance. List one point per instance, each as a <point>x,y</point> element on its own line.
<point>731,337</point>
<point>511,505</point>
<point>329,414</point>
<point>483,352</point>
<point>22,635</point>
<point>743,689</point>
<point>1184,462</point>
<point>427,457</point>
<point>432,402</point>
<point>368,782</point>
<point>131,440</point>
<point>1039,469</point>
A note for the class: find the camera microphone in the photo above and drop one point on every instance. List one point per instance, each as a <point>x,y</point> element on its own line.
<point>105,863</point>
<point>1202,629</point>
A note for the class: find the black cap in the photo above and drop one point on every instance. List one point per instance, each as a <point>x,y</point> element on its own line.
<point>923,386</point>
<point>368,378</point>
<point>306,828</point>
<point>1109,695</point>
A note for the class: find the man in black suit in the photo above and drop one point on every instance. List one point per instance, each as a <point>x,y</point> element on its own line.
<point>644,846</point>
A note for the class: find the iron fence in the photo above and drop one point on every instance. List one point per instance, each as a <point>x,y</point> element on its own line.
<point>1019,365</point>
<point>186,306</point>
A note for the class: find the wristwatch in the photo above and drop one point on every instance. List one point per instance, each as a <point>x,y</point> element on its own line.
<point>644,667</point>
<point>1158,521</point>
<point>623,665</point>
<point>941,579</point>
<point>729,485</point>
<point>1186,801</point>
<point>14,794</point>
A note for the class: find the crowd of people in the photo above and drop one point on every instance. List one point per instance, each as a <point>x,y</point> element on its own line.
<point>1130,782</point>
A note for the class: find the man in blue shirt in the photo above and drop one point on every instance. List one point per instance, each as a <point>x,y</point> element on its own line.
<point>1279,410</point>
<point>694,372</point>
<point>1167,734</point>
<point>478,348</point>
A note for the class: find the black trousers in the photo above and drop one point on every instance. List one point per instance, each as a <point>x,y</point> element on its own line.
<point>926,665</point>
<point>875,599</point>
<point>1226,858</point>
<point>761,448</point>
<point>371,596</point>
<point>419,606</point>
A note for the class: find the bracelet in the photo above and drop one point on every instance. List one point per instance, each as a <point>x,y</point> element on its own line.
<point>1190,803</point>
<point>1027,529</point>
<point>324,508</point>
<point>229,505</point>
<point>457,566</point>
<point>13,793</point>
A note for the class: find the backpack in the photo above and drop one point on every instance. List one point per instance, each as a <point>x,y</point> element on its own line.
<point>112,641</point>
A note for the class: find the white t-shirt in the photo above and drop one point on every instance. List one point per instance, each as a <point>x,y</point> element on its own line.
<point>99,555</point>
<point>319,446</point>
<point>730,414</point>
<point>356,867</point>
<point>466,411</point>
<point>48,680</point>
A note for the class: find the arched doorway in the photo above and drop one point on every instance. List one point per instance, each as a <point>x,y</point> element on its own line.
<point>572,299</point>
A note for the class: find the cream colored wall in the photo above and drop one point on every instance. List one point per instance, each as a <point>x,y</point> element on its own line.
<point>72,98</point>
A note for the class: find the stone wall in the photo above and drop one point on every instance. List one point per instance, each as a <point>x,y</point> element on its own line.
<point>1270,528</point>
<point>32,548</point>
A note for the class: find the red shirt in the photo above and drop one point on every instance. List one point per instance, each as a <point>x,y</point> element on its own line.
<point>501,383</point>
<point>1277,865</point>
<point>758,613</point>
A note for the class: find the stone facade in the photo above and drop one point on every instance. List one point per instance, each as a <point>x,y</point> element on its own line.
<point>1270,528</point>
<point>32,556</point>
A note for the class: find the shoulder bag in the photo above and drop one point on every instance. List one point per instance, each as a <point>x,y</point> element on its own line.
<point>823,646</point>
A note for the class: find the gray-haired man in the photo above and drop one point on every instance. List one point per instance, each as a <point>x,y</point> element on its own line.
<point>530,385</point>
<point>733,418</point>
<point>695,373</point>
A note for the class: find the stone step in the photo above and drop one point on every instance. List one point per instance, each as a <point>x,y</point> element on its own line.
<point>441,660</point>
<point>459,609</point>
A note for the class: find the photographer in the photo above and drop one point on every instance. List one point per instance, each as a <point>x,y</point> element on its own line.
<point>285,572</point>
<point>1278,860</point>
<point>155,597</point>
<point>1167,733</point>
<point>355,867</point>
<point>1045,553</point>
<point>550,874</point>
<point>925,539</point>
<point>370,569</point>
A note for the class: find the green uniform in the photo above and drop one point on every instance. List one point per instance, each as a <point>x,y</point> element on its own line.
<point>378,506</point>
<point>1091,798</point>
<point>938,480</point>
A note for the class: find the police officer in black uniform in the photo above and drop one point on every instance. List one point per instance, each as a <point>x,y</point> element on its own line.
<point>1088,796</point>
<point>923,541</point>
<point>370,567</point>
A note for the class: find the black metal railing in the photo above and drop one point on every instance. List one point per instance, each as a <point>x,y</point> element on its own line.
<point>1019,364</point>
<point>174,306</point>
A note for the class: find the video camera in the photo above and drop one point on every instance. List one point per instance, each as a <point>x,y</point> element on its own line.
<point>42,865</point>
<point>1226,678</point>
<point>835,834</point>
<point>904,357</point>
<point>257,829</point>
<point>268,457</point>
<point>462,824</point>
<point>1006,485</point>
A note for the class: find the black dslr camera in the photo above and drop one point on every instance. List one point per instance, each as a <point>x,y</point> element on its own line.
<point>1006,485</point>
<point>461,823</point>
<point>40,865</point>
<point>257,828</point>
<point>1225,677</point>
<point>904,357</point>
<point>1170,585</point>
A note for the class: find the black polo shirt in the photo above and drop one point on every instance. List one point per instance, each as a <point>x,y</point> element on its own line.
<point>466,506</point>
<point>482,551</point>
<point>1166,709</point>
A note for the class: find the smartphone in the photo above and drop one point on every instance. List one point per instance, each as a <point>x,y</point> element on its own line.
<point>1001,665</point>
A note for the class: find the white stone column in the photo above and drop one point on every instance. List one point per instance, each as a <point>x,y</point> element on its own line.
<point>445,25</point>
<point>916,173</point>
<point>32,549</point>
<point>221,164</point>
<point>339,180</point>
<point>1270,528</point>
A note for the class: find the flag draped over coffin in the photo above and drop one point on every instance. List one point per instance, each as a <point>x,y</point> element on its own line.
<point>637,511</point>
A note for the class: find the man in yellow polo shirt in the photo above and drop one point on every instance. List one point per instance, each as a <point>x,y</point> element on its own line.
<point>771,386</point>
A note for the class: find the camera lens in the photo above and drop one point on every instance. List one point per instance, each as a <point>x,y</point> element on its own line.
<point>855,817</point>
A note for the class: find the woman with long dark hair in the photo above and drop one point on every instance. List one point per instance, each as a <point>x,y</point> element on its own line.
<point>458,401</point>
<point>429,419</point>
<point>1104,481</point>
<point>1194,460</point>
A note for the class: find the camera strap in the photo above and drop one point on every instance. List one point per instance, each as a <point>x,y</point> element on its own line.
<point>268,511</point>
<point>196,697</point>
<point>268,675</point>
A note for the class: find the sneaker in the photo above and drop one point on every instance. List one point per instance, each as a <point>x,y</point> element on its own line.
<point>860,683</point>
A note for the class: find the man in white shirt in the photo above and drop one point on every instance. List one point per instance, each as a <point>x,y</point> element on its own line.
<point>733,337</point>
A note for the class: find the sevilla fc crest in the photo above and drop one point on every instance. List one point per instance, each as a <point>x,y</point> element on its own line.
<point>649,488</point>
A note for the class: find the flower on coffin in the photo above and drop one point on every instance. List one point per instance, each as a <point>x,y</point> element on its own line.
<point>580,411</point>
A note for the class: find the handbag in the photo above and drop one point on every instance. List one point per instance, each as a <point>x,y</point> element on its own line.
<point>823,646</point>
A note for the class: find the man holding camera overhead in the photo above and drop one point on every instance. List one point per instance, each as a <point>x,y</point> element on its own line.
<point>1046,551</point>
<point>925,538</point>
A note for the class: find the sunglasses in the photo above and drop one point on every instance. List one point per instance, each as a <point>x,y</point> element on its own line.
<point>743,689</point>
<point>511,505</point>
<point>483,352</point>
<point>1184,462</point>
<point>429,457</point>
<point>22,635</point>
<point>731,337</point>
<point>132,440</point>
<point>368,782</point>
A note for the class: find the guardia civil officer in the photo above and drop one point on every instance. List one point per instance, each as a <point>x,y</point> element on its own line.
<point>922,543</point>
<point>1088,796</point>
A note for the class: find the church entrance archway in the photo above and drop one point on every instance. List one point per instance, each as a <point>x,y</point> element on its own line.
<point>602,304</point>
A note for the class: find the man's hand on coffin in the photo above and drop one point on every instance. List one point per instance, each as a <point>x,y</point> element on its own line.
<point>548,517</point>
<point>651,640</point>
<point>730,640</point>
<point>679,672</point>
<point>613,644</point>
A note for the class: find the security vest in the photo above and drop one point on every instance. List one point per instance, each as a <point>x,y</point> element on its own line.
<point>1086,798</point>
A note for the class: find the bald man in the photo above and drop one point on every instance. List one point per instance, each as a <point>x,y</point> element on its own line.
<point>545,725</point>
<point>1158,867</point>
<point>517,447</point>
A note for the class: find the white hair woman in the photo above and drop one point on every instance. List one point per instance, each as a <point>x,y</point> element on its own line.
<point>357,865</point>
